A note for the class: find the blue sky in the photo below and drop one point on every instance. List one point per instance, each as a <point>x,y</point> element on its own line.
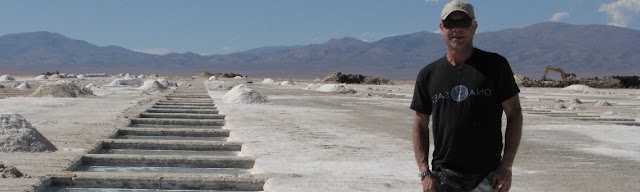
<point>225,26</point>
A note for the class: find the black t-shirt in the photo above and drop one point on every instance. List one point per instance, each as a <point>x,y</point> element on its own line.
<point>465,106</point>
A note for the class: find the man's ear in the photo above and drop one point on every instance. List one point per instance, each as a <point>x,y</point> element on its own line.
<point>441,27</point>
<point>474,26</point>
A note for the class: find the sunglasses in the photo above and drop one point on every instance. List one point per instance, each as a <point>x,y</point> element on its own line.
<point>453,23</point>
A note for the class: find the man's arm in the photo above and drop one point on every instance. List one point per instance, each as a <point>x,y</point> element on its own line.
<point>513,131</point>
<point>421,149</point>
<point>501,181</point>
<point>421,140</point>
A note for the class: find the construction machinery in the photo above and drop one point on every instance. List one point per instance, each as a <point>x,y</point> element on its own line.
<point>556,69</point>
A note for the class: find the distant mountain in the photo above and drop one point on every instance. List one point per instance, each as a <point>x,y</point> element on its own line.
<point>38,52</point>
<point>44,51</point>
<point>587,50</point>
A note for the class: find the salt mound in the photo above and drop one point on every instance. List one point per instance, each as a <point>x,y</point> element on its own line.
<point>559,106</point>
<point>41,77</point>
<point>126,82</point>
<point>268,80</point>
<point>576,101</point>
<point>90,86</point>
<point>81,76</point>
<point>6,78</point>
<point>238,77</point>
<point>313,86</point>
<point>575,107</point>
<point>243,94</point>
<point>287,83</point>
<point>10,172</point>
<point>152,85</point>
<point>24,86</point>
<point>334,88</point>
<point>17,135</point>
<point>61,89</point>
<point>141,76</point>
<point>578,87</point>
<point>165,83</point>
<point>214,78</point>
<point>602,103</point>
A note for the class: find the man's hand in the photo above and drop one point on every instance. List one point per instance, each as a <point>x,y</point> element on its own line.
<point>429,184</point>
<point>501,181</point>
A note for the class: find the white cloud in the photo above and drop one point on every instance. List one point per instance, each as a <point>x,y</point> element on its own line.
<point>227,49</point>
<point>366,36</point>
<point>620,11</point>
<point>155,51</point>
<point>559,17</point>
<point>437,31</point>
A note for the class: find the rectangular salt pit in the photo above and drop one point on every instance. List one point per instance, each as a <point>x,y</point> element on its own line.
<point>226,171</point>
<point>186,122</point>
<point>141,137</point>
<point>125,190</point>
<point>168,164</point>
<point>172,134</point>
<point>200,111</point>
<point>183,107</point>
<point>603,119</point>
<point>174,102</point>
<point>131,183</point>
<point>169,145</point>
<point>637,124</point>
<point>170,152</point>
<point>175,126</point>
<point>181,115</point>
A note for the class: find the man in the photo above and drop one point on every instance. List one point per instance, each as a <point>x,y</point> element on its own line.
<point>465,92</point>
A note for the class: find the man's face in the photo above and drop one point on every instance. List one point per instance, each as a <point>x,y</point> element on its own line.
<point>458,30</point>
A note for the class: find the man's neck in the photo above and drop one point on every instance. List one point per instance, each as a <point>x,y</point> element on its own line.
<point>457,57</point>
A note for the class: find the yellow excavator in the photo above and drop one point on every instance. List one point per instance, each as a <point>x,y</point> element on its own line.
<point>556,69</point>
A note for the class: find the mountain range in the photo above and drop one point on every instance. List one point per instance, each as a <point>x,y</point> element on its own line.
<point>586,50</point>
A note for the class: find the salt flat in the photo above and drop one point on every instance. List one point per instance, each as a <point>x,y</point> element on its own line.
<point>312,141</point>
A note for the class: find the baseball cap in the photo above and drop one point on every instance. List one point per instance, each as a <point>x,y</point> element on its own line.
<point>457,5</point>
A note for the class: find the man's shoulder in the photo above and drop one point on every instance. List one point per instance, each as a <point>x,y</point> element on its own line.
<point>435,64</point>
<point>488,55</point>
<point>427,70</point>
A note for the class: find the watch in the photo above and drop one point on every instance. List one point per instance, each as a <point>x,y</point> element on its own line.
<point>424,174</point>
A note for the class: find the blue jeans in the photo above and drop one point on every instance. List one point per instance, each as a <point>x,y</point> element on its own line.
<point>449,180</point>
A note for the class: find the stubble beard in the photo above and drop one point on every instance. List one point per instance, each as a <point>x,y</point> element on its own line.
<point>456,44</point>
<point>460,44</point>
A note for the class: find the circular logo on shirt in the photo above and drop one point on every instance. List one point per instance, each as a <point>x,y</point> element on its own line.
<point>459,93</point>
